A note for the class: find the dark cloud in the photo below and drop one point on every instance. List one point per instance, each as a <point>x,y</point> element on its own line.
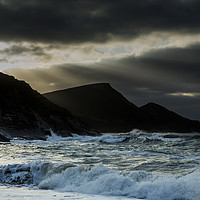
<point>20,49</point>
<point>151,77</point>
<point>94,20</point>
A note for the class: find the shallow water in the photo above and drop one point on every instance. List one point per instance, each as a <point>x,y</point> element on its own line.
<point>30,194</point>
<point>130,165</point>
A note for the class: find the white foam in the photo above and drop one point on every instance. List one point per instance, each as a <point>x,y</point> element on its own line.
<point>116,138</point>
<point>162,138</point>
<point>113,139</point>
<point>105,181</point>
<point>106,138</point>
<point>54,137</point>
<point>100,180</point>
<point>165,137</point>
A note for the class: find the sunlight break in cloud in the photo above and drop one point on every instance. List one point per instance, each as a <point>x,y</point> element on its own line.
<point>33,55</point>
<point>186,94</point>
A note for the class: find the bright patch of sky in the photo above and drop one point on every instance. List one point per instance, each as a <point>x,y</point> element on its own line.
<point>54,54</point>
<point>186,94</point>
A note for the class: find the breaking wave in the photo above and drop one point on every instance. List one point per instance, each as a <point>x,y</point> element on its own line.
<point>164,137</point>
<point>112,138</point>
<point>102,180</point>
<point>106,138</point>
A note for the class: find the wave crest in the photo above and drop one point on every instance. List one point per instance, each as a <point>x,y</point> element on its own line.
<point>102,180</point>
<point>143,185</point>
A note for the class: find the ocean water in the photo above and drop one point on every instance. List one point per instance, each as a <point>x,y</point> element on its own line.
<point>134,165</point>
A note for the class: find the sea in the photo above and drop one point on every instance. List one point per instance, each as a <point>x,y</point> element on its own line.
<point>126,166</point>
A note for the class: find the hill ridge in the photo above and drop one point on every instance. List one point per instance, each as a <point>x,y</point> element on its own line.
<point>107,110</point>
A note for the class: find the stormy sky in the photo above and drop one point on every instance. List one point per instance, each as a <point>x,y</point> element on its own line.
<point>149,50</point>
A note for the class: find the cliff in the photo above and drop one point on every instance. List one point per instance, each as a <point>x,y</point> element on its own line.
<point>26,113</point>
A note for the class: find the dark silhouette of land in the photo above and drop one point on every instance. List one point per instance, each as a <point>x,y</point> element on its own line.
<point>158,118</point>
<point>106,110</point>
<point>99,105</point>
<point>26,113</point>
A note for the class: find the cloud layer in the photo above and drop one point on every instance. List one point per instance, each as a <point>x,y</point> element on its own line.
<point>94,20</point>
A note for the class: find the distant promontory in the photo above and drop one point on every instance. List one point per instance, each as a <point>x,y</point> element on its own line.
<point>106,110</point>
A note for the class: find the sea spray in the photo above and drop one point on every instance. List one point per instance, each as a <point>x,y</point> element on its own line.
<point>106,138</point>
<point>102,180</point>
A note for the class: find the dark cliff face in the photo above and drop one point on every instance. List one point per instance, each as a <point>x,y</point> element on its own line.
<point>26,113</point>
<point>106,110</point>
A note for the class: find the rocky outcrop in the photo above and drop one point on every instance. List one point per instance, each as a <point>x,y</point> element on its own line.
<point>26,113</point>
<point>4,139</point>
<point>106,110</point>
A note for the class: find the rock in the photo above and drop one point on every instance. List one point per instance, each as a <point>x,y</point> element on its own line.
<point>4,139</point>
